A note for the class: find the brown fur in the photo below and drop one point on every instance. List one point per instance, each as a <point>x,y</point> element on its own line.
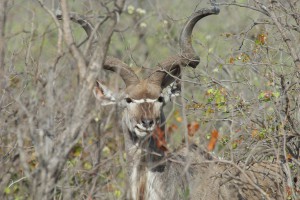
<point>143,90</point>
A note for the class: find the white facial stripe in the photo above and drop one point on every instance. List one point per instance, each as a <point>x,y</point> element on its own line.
<point>150,100</point>
<point>139,101</point>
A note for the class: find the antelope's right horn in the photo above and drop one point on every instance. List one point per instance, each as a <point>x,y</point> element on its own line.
<point>187,56</point>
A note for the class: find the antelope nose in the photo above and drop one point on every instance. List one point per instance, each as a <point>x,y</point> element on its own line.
<point>147,123</point>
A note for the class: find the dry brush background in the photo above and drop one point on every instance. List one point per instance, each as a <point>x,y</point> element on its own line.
<point>241,102</point>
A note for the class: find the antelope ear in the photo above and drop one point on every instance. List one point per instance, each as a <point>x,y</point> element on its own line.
<point>172,91</point>
<point>103,94</point>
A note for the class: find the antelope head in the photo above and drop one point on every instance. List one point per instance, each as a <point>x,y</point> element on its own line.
<point>143,99</point>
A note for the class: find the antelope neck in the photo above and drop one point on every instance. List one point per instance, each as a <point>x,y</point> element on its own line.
<point>152,156</point>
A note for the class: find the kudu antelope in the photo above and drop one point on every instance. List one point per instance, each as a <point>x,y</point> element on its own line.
<point>187,173</point>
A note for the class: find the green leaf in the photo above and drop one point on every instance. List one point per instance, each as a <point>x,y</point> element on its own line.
<point>276,94</point>
<point>87,166</point>
<point>7,190</point>
<point>210,91</point>
<point>117,193</point>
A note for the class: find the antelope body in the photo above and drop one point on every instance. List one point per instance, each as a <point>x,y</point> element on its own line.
<point>155,175</point>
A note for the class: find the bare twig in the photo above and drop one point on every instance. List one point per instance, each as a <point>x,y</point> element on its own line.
<point>78,56</point>
<point>284,35</point>
<point>3,7</point>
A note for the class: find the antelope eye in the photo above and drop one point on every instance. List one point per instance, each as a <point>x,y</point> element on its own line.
<point>128,100</point>
<point>160,99</point>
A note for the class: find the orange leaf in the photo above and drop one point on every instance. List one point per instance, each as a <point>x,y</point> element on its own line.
<point>262,39</point>
<point>179,119</point>
<point>268,94</point>
<point>172,128</point>
<point>159,138</point>
<point>193,127</point>
<point>254,133</point>
<point>213,140</point>
<point>289,157</point>
<point>288,190</point>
